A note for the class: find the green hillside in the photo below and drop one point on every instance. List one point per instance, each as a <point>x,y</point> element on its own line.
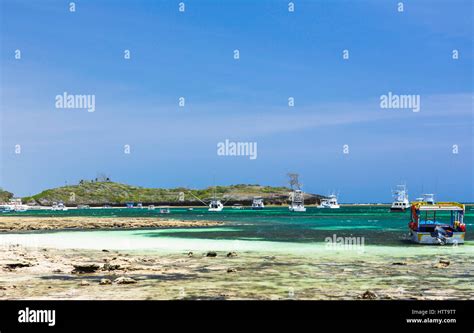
<point>5,195</point>
<point>106,192</point>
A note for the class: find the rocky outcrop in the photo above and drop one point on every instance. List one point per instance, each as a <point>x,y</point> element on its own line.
<point>110,267</point>
<point>105,281</point>
<point>18,264</point>
<point>11,223</point>
<point>369,295</point>
<point>124,280</point>
<point>85,268</point>
<point>442,263</point>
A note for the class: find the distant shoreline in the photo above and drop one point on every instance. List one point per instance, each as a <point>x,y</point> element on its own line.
<point>145,207</point>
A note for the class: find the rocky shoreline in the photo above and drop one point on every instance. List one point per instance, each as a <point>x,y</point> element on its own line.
<point>30,223</point>
<point>53,274</point>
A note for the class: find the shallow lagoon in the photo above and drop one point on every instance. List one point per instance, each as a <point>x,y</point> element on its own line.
<point>279,256</point>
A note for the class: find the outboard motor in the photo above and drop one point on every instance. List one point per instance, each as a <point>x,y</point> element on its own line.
<point>440,234</point>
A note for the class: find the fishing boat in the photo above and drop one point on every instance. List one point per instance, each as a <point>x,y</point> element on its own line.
<point>58,206</point>
<point>400,196</point>
<point>257,203</point>
<point>329,202</point>
<point>164,210</point>
<point>429,198</point>
<point>14,205</point>
<point>5,209</point>
<point>297,201</point>
<point>215,206</point>
<point>139,205</point>
<point>441,223</point>
<point>129,204</point>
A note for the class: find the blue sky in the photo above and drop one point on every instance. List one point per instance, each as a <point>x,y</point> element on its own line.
<point>283,54</point>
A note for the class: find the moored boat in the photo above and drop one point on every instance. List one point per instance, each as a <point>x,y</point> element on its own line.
<point>215,206</point>
<point>400,196</point>
<point>429,198</point>
<point>14,205</point>
<point>58,206</point>
<point>441,223</point>
<point>297,201</point>
<point>329,202</point>
<point>257,203</point>
<point>164,210</point>
<point>5,209</point>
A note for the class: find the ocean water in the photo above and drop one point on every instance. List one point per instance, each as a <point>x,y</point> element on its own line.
<point>273,229</point>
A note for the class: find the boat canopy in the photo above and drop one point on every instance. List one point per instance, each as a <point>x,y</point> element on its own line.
<point>439,206</point>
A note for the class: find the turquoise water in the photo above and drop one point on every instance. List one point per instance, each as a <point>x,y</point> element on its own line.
<point>376,224</point>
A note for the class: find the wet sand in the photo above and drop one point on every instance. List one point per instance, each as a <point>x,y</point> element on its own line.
<point>25,223</point>
<point>40,273</point>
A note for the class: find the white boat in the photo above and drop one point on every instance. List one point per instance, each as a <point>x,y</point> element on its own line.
<point>257,203</point>
<point>164,210</point>
<point>428,198</point>
<point>5,208</point>
<point>14,205</point>
<point>427,227</point>
<point>297,201</point>
<point>329,202</point>
<point>58,206</point>
<point>400,196</point>
<point>215,206</point>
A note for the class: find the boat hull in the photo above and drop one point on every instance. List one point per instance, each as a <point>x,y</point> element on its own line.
<point>427,238</point>
<point>397,209</point>
<point>297,209</point>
